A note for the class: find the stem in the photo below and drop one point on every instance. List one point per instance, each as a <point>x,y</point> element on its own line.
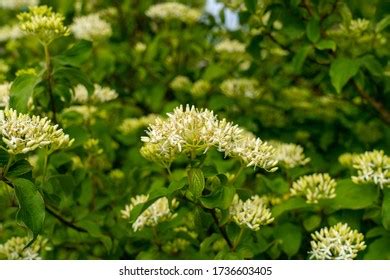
<point>221,229</point>
<point>238,239</point>
<point>50,81</point>
<point>238,174</point>
<point>155,238</point>
<point>10,160</point>
<point>45,166</point>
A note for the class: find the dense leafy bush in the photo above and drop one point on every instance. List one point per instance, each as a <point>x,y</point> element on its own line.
<point>274,146</point>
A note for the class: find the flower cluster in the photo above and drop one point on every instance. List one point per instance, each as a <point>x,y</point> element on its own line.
<point>14,248</point>
<point>230,47</point>
<point>140,47</point>
<point>175,246</point>
<point>22,133</point>
<point>173,11</point>
<point>315,187</point>
<point>356,26</point>
<point>4,94</point>
<point>10,32</point>
<point>180,83</point>
<point>200,88</point>
<point>190,130</point>
<point>372,167</point>
<point>241,88</point>
<point>156,213</point>
<point>346,159</point>
<point>129,125</point>
<point>251,214</point>
<point>289,155</point>
<point>17,4</point>
<point>338,242</point>
<point>91,27</point>
<point>234,4</point>
<point>43,23</point>
<point>99,95</point>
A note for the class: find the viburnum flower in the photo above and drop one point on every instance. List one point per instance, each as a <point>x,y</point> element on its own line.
<point>289,155</point>
<point>15,248</point>
<point>22,133</point>
<point>43,23</point>
<point>156,213</point>
<point>230,46</point>
<point>4,94</point>
<point>91,27</point>
<point>190,130</point>
<point>173,11</point>
<point>241,88</point>
<point>338,242</point>
<point>372,167</point>
<point>315,187</point>
<point>251,213</point>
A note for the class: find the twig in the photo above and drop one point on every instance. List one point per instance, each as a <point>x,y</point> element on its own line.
<point>221,229</point>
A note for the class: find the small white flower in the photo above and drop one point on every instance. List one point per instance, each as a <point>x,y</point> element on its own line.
<point>315,187</point>
<point>173,11</point>
<point>338,242</point>
<point>289,155</point>
<point>100,94</point>
<point>230,47</point>
<point>14,248</point>
<point>91,27</point>
<point>17,4</point>
<point>4,94</point>
<point>241,88</point>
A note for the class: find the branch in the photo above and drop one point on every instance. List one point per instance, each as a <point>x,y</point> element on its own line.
<point>221,229</point>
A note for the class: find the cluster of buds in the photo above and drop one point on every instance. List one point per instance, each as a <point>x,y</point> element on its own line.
<point>91,27</point>
<point>200,88</point>
<point>17,4</point>
<point>43,23</point>
<point>4,94</point>
<point>190,130</point>
<point>241,88</point>
<point>338,242</point>
<point>15,248</point>
<point>372,167</point>
<point>181,83</point>
<point>99,95</point>
<point>22,133</point>
<point>156,213</point>
<point>289,155</point>
<point>130,125</point>
<point>251,213</point>
<point>230,47</point>
<point>174,11</point>
<point>315,187</point>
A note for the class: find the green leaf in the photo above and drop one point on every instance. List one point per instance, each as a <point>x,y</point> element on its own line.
<point>76,55</point>
<point>74,76</point>
<point>221,198</point>
<point>94,230</point>
<point>383,24</point>
<point>313,30</point>
<point>31,205</point>
<point>386,209</point>
<point>21,90</point>
<point>251,5</point>
<point>326,44</point>
<point>19,168</point>
<point>342,70</point>
<point>290,236</point>
<point>299,58</point>
<point>196,182</point>
<point>312,222</point>
<point>352,196</point>
<point>372,65</point>
<point>293,203</point>
<point>379,249</point>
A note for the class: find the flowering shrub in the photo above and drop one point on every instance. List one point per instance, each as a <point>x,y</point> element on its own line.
<point>144,130</point>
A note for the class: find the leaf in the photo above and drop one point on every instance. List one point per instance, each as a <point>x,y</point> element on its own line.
<point>74,76</point>
<point>372,65</point>
<point>290,236</point>
<point>299,59</point>
<point>19,168</point>
<point>76,55</point>
<point>313,30</point>
<point>342,70</point>
<point>221,198</point>
<point>31,205</point>
<point>21,90</point>
<point>251,5</point>
<point>94,230</point>
<point>326,44</point>
<point>196,182</point>
<point>352,196</point>
<point>312,222</point>
<point>293,203</point>
<point>383,24</point>
<point>379,249</point>
<point>386,209</point>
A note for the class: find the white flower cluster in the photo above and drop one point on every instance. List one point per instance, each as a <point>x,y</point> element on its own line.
<point>100,95</point>
<point>251,214</point>
<point>4,94</point>
<point>17,4</point>
<point>22,133</point>
<point>156,213</point>
<point>230,47</point>
<point>91,27</point>
<point>241,88</point>
<point>315,187</point>
<point>10,32</point>
<point>346,159</point>
<point>14,248</point>
<point>289,155</point>
<point>43,23</point>
<point>356,26</point>
<point>173,11</point>
<point>338,242</point>
<point>190,130</point>
<point>180,83</point>
<point>200,88</point>
<point>129,125</point>
<point>373,167</point>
